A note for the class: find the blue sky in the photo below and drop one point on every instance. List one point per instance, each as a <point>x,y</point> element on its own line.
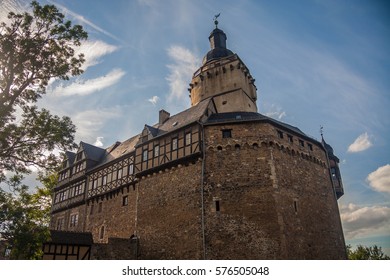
<point>316,63</point>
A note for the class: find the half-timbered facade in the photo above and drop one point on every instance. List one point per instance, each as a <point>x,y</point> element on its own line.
<point>216,181</point>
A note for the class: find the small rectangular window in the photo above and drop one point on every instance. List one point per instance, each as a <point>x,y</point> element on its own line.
<point>217,207</point>
<point>74,220</point>
<point>100,207</point>
<point>60,223</point>
<point>156,150</point>
<point>280,134</point>
<point>188,139</point>
<point>174,144</point>
<point>301,143</point>
<point>296,206</point>
<point>290,138</point>
<point>310,146</point>
<point>226,133</point>
<point>125,200</point>
<point>145,155</point>
<point>131,169</point>
<point>119,173</point>
<point>91,210</point>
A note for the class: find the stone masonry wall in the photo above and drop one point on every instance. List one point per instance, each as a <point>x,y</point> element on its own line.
<point>268,198</point>
<point>109,217</point>
<point>169,210</point>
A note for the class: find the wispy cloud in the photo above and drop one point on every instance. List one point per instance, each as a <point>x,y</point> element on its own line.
<point>274,111</point>
<point>360,144</point>
<point>85,87</point>
<point>184,65</point>
<point>154,100</point>
<point>99,141</point>
<point>379,180</point>
<point>360,222</point>
<point>12,6</point>
<point>93,51</point>
<point>83,20</point>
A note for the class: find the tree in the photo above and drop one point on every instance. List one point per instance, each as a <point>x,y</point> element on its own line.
<point>366,253</point>
<point>25,217</point>
<point>35,48</point>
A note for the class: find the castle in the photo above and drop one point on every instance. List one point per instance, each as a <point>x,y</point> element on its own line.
<point>216,181</point>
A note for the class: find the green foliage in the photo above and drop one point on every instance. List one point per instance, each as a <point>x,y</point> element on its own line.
<point>366,253</point>
<point>35,48</point>
<point>25,216</point>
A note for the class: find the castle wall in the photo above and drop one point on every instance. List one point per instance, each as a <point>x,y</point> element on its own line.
<point>269,196</point>
<point>112,215</point>
<point>168,217</point>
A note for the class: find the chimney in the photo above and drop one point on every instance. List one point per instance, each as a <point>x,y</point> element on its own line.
<point>163,116</point>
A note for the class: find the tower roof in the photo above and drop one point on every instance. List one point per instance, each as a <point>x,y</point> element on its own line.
<point>217,40</point>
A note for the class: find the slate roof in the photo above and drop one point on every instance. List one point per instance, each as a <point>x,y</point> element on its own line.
<point>249,116</point>
<point>92,152</point>
<point>183,118</point>
<point>121,149</point>
<point>70,157</point>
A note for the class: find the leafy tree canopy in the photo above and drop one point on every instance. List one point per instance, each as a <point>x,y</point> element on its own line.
<point>35,48</point>
<point>366,253</point>
<point>25,216</point>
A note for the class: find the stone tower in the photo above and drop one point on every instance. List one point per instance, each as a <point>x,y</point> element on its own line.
<point>224,77</point>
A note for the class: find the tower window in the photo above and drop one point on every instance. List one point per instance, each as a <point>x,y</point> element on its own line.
<point>301,143</point>
<point>290,138</point>
<point>310,146</point>
<point>226,133</point>
<point>296,206</point>
<point>100,207</point>
<point>280,134</point>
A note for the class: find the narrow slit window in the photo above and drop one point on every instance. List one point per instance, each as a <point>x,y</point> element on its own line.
<point>295,206</point>
<point>101,235</point>
<point>217,206</point>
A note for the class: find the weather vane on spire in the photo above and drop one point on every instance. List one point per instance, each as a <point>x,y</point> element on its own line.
<point>216,20</point>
